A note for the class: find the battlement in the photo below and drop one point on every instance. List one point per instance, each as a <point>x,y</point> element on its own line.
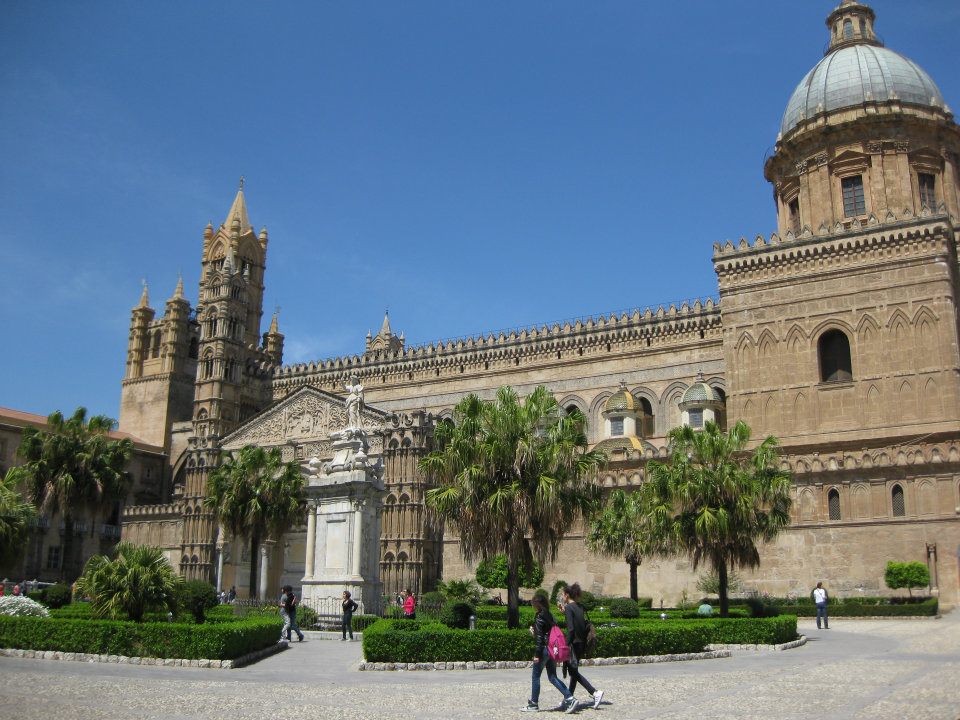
<point>841,229</point>
<point>650,324</point>
<point>133,513</point>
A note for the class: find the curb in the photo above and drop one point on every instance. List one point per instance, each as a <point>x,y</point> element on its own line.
<point>802,640</point>
<point>525,664</point>
<point>239,662</point>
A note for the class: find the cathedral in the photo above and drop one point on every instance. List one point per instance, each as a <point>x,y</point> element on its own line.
<point>838,334</point>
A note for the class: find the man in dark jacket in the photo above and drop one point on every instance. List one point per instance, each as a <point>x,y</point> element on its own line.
<point>577,640</point>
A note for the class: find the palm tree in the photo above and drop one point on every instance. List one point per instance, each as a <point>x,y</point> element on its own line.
<point>257,496</point>
<point>15,517</point>
<point>138,579</point>
<point>512,476</point>
<point>616,532</point>
<point>73,467</point>
<point>714,500</point>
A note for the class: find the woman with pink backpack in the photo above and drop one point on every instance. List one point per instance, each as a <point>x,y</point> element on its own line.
<point>551,647</point>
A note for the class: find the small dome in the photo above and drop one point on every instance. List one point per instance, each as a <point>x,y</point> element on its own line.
<point>858,74</point>
<point>621,401</point>
<point>700,392</point>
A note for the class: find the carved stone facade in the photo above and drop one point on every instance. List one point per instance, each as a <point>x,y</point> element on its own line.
<point>839,334</point>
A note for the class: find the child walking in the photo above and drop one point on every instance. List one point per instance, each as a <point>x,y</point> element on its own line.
<point>540,630</point>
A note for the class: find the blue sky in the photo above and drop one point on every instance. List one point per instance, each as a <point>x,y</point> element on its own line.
<point>469,165</point>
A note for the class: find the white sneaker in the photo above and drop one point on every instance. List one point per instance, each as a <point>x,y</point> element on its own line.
<point>597,699</point>
<point>530,707</point>
<point>572,704</point>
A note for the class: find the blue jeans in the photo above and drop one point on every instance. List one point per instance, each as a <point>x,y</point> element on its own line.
<point>289,623</point>
<point>822,613</point>
<point>545,659</point>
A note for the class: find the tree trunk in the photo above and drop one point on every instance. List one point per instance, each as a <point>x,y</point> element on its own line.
<point>722,576</point>
<point>254,554</point>
<point>65,559</point>
<point>513,594</point>
<point>633,579</point>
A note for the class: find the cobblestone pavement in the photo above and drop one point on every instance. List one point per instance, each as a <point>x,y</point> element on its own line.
<point>857,670</point>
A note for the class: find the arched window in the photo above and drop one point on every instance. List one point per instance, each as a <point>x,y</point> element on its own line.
<point>847,29</point>
<point>834,351</point>
<point>647,419</point>
<point>155,351</point>
<point>833,504</point>
<point>896,497</point>
<point>208,364</point>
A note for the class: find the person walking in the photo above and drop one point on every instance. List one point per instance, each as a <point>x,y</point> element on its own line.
<point>288,611</point>
<point>542,624</point>
<point>232,595</point>
<point>409,605</point>
<point>349,607</point>
<point>820,599</point>
<point>577,640</point>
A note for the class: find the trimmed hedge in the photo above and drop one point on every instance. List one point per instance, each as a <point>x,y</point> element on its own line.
<point>212,641</point>
<point>926,608</point>
<point>413,641</point>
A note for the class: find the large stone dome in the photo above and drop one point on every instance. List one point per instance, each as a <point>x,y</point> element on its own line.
<point>858,74</point>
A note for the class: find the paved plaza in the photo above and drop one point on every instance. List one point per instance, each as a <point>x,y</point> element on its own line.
<point>859,669</point>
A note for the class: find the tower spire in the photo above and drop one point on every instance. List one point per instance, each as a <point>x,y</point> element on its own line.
<point>238,210</point>
<point>144,296</point>
<point>385,330</point>
<point>178,291</point>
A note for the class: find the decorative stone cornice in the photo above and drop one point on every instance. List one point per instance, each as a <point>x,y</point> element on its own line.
<point>900,236</point>
<point>509,348</point>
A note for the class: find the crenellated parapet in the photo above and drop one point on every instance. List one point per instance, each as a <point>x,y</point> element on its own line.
<point>587,338</point>
<point>135,513</point>
<point>897,236</point>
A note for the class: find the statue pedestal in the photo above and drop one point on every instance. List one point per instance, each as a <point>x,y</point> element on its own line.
<point>344,497</point>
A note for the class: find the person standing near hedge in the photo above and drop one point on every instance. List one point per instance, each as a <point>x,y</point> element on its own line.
<point>409,605</point>
<point>820,599</point>
<point>577,640</point>
<point>349,607</point>
<point>288,611</point>
<point>540,630</point>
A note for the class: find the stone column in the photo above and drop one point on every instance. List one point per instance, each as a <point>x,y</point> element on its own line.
<point>357,537</point>
<point>219,567</point>
<point>311,541</point>
<point>264,571</point>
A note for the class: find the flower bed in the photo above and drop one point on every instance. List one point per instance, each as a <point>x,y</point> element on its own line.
<point>412,641</point>
<point>213,640</point>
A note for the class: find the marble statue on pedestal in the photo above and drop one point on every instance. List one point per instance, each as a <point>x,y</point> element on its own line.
<point>344,496</point>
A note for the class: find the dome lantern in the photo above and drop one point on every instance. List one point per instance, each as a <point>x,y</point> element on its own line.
<point>851,23</point>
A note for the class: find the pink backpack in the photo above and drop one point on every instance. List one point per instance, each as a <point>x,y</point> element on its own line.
<point>557,643</point>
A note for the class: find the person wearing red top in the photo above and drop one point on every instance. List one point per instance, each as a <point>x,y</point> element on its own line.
<point>409,605</point>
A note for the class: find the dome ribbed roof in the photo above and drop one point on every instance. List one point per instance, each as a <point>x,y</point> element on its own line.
<point>858,74</point>
<point>622,400</point>
<point>700,392</point>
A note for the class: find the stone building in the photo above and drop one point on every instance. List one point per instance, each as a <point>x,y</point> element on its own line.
<point>95,533</point>
<point>838,334</point>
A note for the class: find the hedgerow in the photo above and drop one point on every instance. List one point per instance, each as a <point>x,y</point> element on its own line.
<point>212,640</point>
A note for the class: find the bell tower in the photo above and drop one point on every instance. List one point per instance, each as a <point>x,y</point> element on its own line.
<point>233,369</point>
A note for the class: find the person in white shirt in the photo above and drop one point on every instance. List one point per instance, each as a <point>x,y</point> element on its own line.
<point>820,599</point>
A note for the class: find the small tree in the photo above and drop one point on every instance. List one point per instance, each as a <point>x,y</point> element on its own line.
<point>616,531</point>
<point>137,580</point>
<point>715,500</point>
<point>709,583</point>
<point>197,597</point>
<point>907,575</point>
<point>15,517</point>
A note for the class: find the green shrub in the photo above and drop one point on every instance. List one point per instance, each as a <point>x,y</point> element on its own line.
<point>37,595</point>
<point>362,622</point>
<point>433,599</point>
<point>215,641</point>
<point>221,612</point>
<point>196,597</point>
<point>307,617</point>
<point>762,607</point>
<point>457,615</point>
<point>57,596</point>
<point>397,641</point>
<point>907,575</point>
<point>624,608</point>
<point>588,601</point>
<point>645,602</point>
<point>555,591</point>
